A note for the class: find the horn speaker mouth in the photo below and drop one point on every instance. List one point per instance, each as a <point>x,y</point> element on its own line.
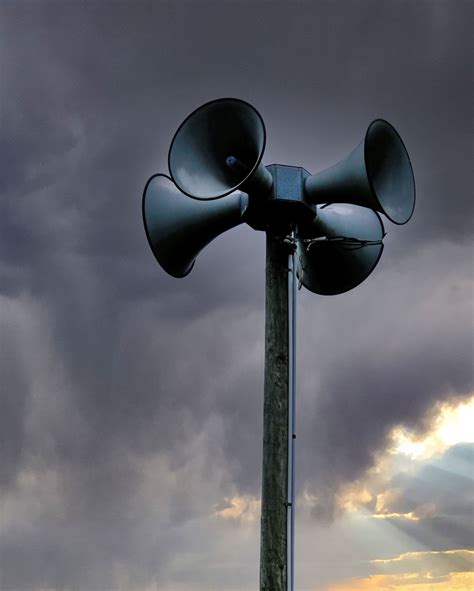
<point>217,148</point>
<point>389,171</point>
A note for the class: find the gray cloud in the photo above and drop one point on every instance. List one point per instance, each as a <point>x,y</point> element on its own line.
<point>107,363</point>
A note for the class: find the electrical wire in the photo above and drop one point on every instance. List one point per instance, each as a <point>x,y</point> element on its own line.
<point>346,242</point>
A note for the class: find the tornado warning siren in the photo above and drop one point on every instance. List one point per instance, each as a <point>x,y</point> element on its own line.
<point>323,229</point>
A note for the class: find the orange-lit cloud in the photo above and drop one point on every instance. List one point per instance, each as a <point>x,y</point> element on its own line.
<point>464,554</point>
<point>353,495</point>
<point>390,497</point>
<point>410,516</point>
<point>243,508</point>
<point>460,581</point>
<point>447,570</point>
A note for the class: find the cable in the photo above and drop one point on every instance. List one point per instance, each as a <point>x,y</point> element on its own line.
<point>346,242</point>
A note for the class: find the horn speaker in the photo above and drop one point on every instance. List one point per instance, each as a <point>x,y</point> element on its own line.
<point>340,249</point>
<point>377,175</point>
<point>178,228</point>
<point>218,149</point>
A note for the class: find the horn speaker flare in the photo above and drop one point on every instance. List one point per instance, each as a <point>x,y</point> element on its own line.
<point>377,174</point>
<point>178,228</point>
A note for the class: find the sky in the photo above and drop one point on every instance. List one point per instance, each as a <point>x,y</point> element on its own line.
<point>131,402</point>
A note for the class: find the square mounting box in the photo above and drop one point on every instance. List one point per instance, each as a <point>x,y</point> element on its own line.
<point>285,202</point>
<point>284,205</point>
<point>288,182</point>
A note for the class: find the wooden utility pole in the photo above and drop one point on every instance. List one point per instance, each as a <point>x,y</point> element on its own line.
<point>273,543</point>
<point>217,150</point>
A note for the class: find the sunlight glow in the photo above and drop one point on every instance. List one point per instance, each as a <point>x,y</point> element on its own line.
<point>452,425</point>
<point>411,516</point>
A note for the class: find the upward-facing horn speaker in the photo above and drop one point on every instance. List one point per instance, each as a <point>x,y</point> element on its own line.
<point>339,249</point>
<point>377,175</point>
<point>178,228</point>
<point>218,149</point>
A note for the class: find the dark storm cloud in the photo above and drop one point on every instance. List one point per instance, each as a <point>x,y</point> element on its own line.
<point>105,360</point>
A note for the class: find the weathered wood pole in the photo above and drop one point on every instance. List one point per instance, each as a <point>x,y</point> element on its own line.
<point>273,541</point>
